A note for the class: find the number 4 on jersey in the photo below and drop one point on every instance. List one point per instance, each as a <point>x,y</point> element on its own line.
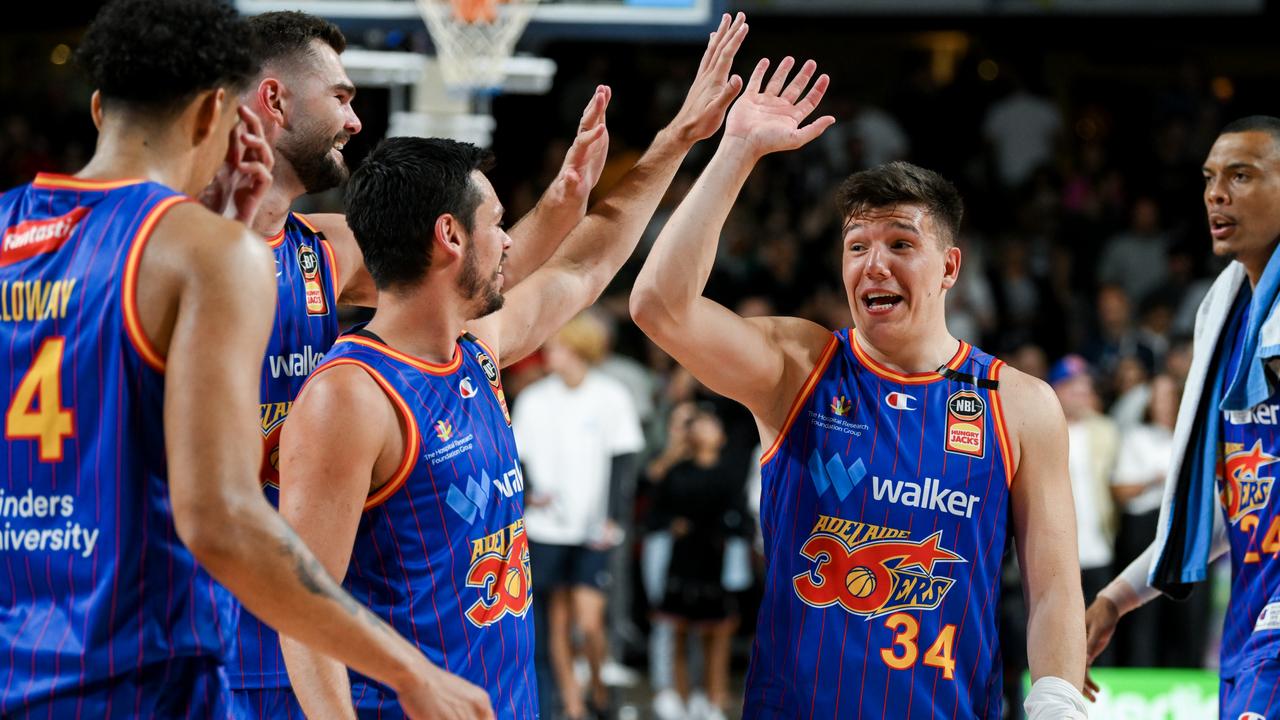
<point>36,411</point>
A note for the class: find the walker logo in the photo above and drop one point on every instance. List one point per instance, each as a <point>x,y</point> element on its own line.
<point>900,401</point>
<point>36,237</point>
<point>1240,488</point>
<point>929,496</point>
<point>295,365</point>
<point>444,430</point>
<point>500,568</point>
<point>871,570</point>
<point>833,474</point>
<point>474,500</point>
<point>466,388</point>
<point>840,405</point>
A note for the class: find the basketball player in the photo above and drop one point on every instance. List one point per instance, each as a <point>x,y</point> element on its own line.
<point>304,96</point>
<point>1226,433</point>
<point>398,460</point>
<point>134,320</point>
<point>893,454</point>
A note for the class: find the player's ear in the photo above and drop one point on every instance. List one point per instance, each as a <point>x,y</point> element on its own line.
<point>95,109</point>
<point>950,267</point>
<point>207,111</point>
<point>270,100</point>
<point>448,236</point>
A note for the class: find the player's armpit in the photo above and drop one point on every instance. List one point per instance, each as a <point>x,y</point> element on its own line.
<point>1044,525</point>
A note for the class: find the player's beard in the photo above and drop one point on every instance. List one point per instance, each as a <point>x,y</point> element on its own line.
<point>473,287</point>
<point>308,152</point>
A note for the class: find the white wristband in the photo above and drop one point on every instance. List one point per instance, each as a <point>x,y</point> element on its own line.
<point>1052,698</point>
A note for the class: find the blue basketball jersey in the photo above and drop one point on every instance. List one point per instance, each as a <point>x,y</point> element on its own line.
<point>441,553</point>
<point>94,581</point>
<point>306,326</point>
<point>1246,475</point>
<point>884,512</point>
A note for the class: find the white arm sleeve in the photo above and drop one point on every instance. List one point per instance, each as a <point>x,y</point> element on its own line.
<point>1130,590</point>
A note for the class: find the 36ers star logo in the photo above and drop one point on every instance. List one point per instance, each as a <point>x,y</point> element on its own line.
<point>1240,488</point>
<point>870,570</point>
<point>500,568</point>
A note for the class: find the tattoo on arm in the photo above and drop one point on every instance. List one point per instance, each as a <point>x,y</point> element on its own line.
<point>312,575</point>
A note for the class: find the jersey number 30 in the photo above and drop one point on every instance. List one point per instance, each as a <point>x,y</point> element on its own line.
<point>36,411</point>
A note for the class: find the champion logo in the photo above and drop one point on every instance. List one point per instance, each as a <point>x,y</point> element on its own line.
<point>900,401</point>
<point>833,474</point>
<point>466,388</point>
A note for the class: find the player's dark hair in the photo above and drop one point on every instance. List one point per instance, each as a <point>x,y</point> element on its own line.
<point>901,183</point>
<point>158,54</point>
<point>1255,123</point>
<point>394,199</point>
<point>289,34</point>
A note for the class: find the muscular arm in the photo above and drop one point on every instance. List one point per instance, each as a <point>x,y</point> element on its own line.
<point>1045,529</point>
<point>759,362</point>
<point>594,251</point>
<point>207,283</point>
<point>534,238</point>
<point>328,449</point>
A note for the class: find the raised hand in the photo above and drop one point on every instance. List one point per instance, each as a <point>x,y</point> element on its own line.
<point>768,119</point>
<point>245,176</point>
<point>713,87</point>
<point>585,160</point>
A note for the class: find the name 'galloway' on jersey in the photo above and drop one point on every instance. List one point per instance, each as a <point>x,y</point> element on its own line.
<point>94,582</point>
<point>441,553</point>
<point>305,327</point>
<point>883,507</point>
<point>1246,476</point>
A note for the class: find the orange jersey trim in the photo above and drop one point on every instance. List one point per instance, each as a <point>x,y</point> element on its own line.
<point>423,365</point>
<point>814,376</point>
<point>129,299</point>
<point>1002,431</point>
<point>55,181</point>
<point>333,267</point>
<point>412,439</point>
<point>485,346</point>
<point>274,241</point>
<point>962,354</point>
<point>306,223</point>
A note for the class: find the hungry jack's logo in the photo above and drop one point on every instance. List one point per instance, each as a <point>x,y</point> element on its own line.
<point>500,568</point>
<point>1240,488</point>
<point>870,570</point>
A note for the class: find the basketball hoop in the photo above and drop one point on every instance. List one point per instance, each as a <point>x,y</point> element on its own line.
<point>474,38</point>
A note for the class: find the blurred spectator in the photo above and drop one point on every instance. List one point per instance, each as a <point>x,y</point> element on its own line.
<point>1143,246</point>
<point>1093,443</point>
<point>701,503</point>
<point>1023,130</point>
<point>578,436</point>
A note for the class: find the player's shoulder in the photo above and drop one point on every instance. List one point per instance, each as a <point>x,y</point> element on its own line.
<point>1031,407</point>
<point>331,225</point>
<point>189,228</point>
<point>801,341</point>
<point>345,388</point>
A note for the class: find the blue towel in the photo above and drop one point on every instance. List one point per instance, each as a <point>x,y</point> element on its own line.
<point>1250,386</point>
<point>1184,559</point>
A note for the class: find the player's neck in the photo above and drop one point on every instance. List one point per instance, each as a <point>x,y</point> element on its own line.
<point>274,210</point>
<point>122,154</point>
<point>923,352</point>
<point>420,323</point>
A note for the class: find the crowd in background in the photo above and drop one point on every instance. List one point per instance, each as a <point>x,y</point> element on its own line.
<point>1085,255</point>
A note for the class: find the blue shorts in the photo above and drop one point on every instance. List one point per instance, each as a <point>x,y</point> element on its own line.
<point>267,704</point>
<point>1251,694</point>
<point>192,688</point>
<point>566,566</point>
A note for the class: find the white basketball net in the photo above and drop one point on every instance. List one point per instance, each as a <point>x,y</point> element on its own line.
<point>474,38</point>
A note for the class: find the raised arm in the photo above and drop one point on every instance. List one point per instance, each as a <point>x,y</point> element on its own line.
<point>1044,526</point>
<point>598,246</point>
<point>747,360</point>
<point>215,279</point>
<point>534,237</point>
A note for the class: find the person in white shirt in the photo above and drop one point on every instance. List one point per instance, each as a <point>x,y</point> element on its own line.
<point>579,436</point>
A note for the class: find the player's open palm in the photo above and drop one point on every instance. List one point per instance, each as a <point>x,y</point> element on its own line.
<point>444,696</point>
<point>713,87</point>
<point>585,160</point>
<point>769,118</point>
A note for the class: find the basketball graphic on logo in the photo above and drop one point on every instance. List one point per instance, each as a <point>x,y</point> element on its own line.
<point>860,581</point>
<point>513,583</point>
